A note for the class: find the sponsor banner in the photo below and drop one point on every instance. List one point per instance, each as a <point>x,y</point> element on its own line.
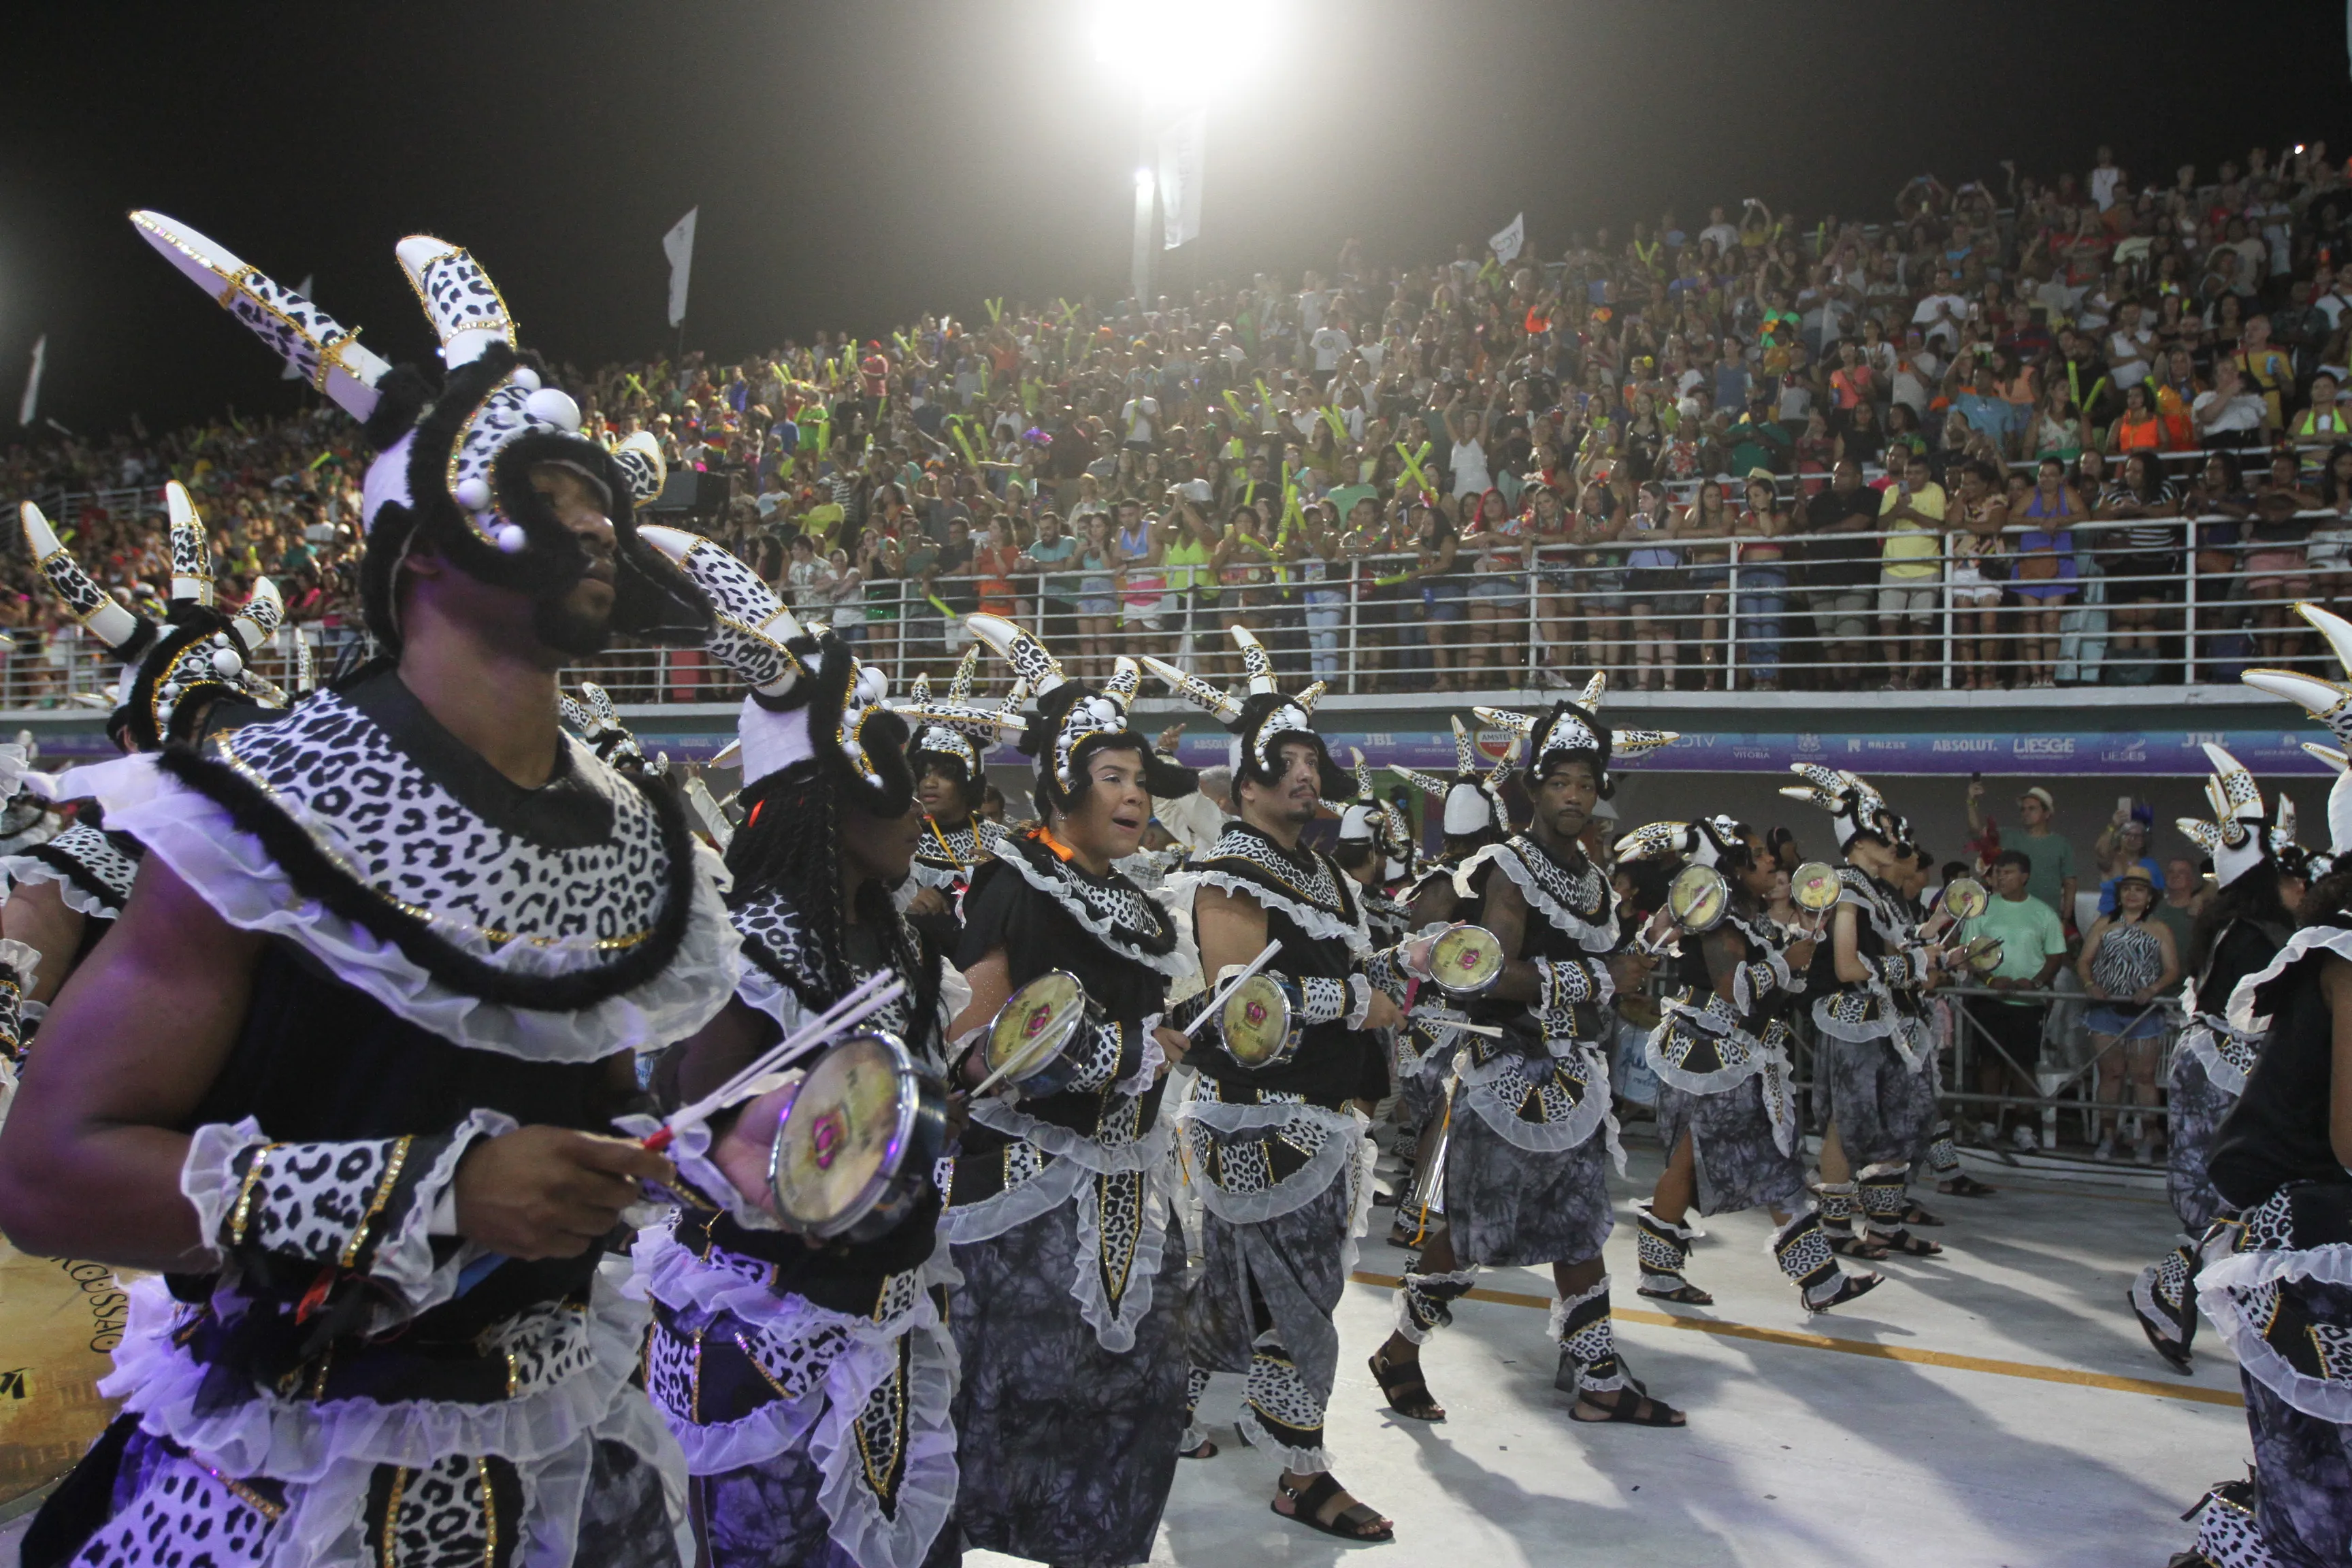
<point>2174,752</point>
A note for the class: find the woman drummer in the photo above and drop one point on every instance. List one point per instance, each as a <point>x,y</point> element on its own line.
<point>1059,1210</point>
<point>1725,1114</point>
<point>808,1380</point>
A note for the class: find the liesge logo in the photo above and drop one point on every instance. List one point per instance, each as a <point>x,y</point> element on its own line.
<point>2042,746</point>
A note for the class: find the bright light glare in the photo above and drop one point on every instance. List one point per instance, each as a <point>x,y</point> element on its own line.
<point>1143,177</point>
<point>1185,51</point>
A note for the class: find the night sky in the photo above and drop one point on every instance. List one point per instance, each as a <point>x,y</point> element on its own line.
<point>856,163</point>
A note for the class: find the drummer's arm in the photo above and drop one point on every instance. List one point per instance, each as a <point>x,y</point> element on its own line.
<point>992,984</point>
<point>1852,969</point>
<point>1231,928</point>
<point>713,1054</point>
<point>92,1163</point>
<point>1505,914</point>
<point>36,915</point>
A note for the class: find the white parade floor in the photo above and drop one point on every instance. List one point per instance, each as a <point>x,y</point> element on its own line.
<point>2003,1410</point>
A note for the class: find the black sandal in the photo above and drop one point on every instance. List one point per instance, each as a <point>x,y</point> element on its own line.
<point>1911,1246</point>
<point>1204,1449</point>
<point>1913,1215</point>
<point>1632,1409</point>
<point>1406,1391</point>
<point>1853,1246</point>
<point>1849,1287</point>
<point>1684,1292</point>
<point>1965,1186</point>
<point>1305,1505</point>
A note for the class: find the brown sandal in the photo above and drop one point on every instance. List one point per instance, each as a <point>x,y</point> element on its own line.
<point>1406,1391</point>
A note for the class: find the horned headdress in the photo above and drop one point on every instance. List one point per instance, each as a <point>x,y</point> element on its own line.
<point>455,473</point>
<point>1574,728</point>
<point>2330,703</point>
<point>2237,837</point>
<point>1706,842</point>
<point>1856,809</point>
<point>1472,798</point>
<point>592,716</point>
<point>1064,722</point>
<point>178,669</point>
<point>812,700</point>
<point>1262,723</point>
<point>1368,819</point>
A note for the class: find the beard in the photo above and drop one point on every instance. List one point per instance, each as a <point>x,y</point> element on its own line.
<point>570,629</point>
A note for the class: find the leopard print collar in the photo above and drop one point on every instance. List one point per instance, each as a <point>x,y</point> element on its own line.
<point>777,942</point>
<point>1579,902</point>
<point>1301,883</point>
<point>960,849</point>
<point>360,823</point>
<point>1113,910</point>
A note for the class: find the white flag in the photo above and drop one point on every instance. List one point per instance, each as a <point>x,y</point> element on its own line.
<point>33,383</point>
<point>678,245</point>
<point>1507,245</point>
<point>292,371</point>
<point>1179,178</point>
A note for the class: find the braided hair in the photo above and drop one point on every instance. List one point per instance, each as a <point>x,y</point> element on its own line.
<point>788,844</point>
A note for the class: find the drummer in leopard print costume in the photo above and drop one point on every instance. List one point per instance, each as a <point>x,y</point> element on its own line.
<point>946,758</point>
<point>1526,1167</point>
<point>806,1369</point>
<point>1872,1047</point>
<point>345,1072</point>
<point>2262,874</point>
<point>1277,1150</point>
<point>1727,1114</point>
<point>182,681</point>
<point>1060,1209</point>
<point>2277,1270</point>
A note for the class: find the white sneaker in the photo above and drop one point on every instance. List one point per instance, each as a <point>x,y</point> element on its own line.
<point>2143,1151</point>
<point>1988,1133</point>
<point>2106,1149</point>
<point>2023,1138</point>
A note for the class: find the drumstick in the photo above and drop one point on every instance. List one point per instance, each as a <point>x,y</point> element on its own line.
<point>1468,1027</point>
<point>1226,990</point>
<point>877,991</point>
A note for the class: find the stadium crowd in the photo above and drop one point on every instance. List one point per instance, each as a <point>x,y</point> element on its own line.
<point>1759,450</point>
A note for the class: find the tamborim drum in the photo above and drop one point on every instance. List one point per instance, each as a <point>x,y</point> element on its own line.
<point>1964,898</point>
<point>1034,1030</point>
<point>1257,1024</point>
<point>1813,886</point>
<point>1698,898</point>
<point>853,1150</point>
<point>1984,954</point>
<point>1466,959</point>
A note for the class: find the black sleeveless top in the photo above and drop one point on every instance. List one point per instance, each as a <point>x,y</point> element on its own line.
<point>2278,1131</point>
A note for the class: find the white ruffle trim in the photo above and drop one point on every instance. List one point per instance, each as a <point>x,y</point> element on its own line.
<point>23,870</point>
<point>229,871</point>
<point>1322,925</point>
<point>303,1440</point>
<point>1017,1205</point>
<point>1594,936</point>
<point>1297,1461</point>
<point>2310,939</point>
<point>1063,1143</point>
<point>1115,1330</point>
<point>1878,1028</point>
<point>927,1484</point>
<point>1359,1206</point>
<point>1721,1081</point>
<point>2198,1042</point>
<point>1343,1131</point>
<point>1591,1113</point>
<point>1154,1057</point>
<point>1172,964</point>
<point>2327,1399</point>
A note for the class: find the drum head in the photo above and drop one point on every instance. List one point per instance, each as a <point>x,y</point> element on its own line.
<point>1466,959</point>
<point>1257,1021</point>
<point>61,1318</point>
<point>842,1138</point>
<point>1698,898</point>
<point>1965,898</point>
<point>1813,886</point>
<point>1984,954</point>
<point>1034,1023</point>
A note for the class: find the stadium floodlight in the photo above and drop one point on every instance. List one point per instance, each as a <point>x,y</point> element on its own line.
<point>1182,51</point>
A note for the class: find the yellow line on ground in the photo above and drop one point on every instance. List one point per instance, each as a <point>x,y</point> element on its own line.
<point>1866,1348</point>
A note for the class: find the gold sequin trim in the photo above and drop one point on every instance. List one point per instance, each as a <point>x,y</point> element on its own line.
<point>271,1511</point>
<point>387,1546</point>
<point>375,1204</point>
<point>243,1213</point>
<point>490,1515</point>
